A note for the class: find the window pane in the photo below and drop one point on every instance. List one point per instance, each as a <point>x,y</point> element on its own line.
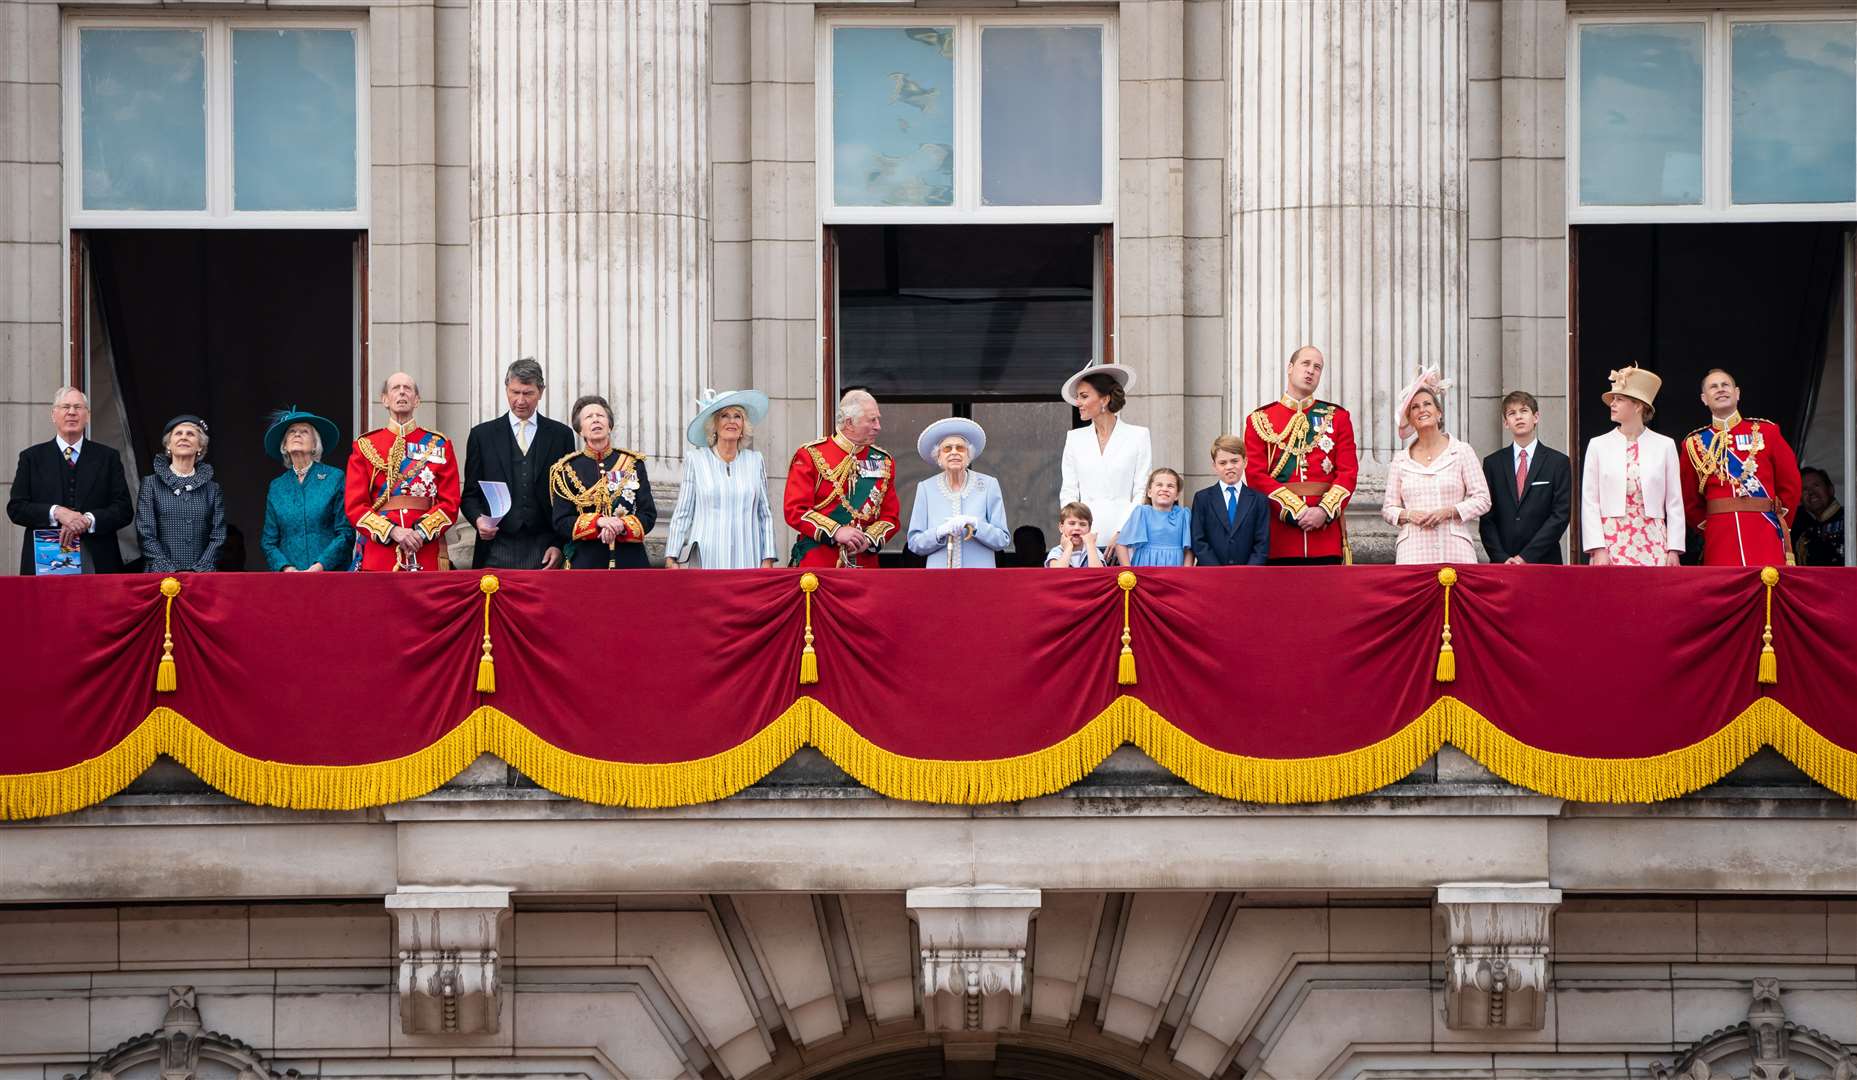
<point>1041,116</point>
<point>293,119</point>
<point>964,311</point>
<point>893,116</point>
<point>1795,112</point>
<point>1641,106</point>
<point>144,119</point>
<point>1025,452</point>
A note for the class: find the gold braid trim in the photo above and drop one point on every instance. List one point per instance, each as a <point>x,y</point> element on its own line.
<point>1332,500</point>
<point>1707,462</point>
<point>1291,502</point>
<point>1127,719</point>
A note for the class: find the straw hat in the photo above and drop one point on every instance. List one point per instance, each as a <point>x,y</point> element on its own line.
<point>1636,383</point>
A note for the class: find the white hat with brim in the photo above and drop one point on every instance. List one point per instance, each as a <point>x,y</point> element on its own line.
<point>752,402</point>
<point>1122,375</point>
<point>932,437</point>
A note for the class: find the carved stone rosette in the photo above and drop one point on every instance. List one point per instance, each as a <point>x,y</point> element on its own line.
<point>448,958</point>
<point>973,954</point>
<point>1496,968</point>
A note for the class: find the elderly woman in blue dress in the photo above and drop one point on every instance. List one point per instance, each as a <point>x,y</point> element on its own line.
<point>723,519</point>
<point>180,514</point>
<point>958,519</point>
<point>305,528</point>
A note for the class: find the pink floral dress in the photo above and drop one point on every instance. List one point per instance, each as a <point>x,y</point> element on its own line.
<point>1635,539</point>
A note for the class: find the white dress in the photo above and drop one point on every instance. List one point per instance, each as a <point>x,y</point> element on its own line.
<point>723,519</point>
<point>1110,480</point>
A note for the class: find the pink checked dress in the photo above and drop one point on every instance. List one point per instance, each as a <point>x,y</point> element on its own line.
<point>1635,539</point>
<point>1454,479</point>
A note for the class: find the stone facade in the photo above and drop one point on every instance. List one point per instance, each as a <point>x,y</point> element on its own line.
<point>629,192</point>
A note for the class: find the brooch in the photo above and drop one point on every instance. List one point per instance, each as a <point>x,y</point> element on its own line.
<point>1326,443</point>
<point>1328,466</point>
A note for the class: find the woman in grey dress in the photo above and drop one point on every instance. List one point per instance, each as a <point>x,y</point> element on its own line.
<point>179,514</point>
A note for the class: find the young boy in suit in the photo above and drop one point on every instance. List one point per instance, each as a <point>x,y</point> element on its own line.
<point>1531,490</point>
<point>1231,521</point>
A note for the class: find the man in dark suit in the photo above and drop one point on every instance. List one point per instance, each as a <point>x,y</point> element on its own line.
<point>1531,490</point>
<point>74,485</point>
<point>516,449</point>
<point>1231,521</point>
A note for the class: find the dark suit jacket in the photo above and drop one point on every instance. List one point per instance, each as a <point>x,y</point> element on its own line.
<point>102,489</point>
<point>490,454</point>
<point>1531,527</point>
<point>1242,543</point>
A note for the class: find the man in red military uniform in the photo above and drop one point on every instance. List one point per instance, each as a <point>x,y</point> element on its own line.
<point>1299,453</point>
<point>402,486</point>
<point>841,490</point>
<point>1740,482</point>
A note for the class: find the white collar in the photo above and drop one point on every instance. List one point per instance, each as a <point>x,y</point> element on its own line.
<point>516,422</point>
<point>64,446</point>
<point>1233,488</point>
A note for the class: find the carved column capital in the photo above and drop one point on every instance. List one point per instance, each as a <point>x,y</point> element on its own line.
<point>1499,937</point>
<point>973,954</point>
<point>447,940</point>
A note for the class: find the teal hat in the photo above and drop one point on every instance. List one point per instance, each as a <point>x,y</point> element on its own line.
<point>280,423</point>
<point>752,402</point>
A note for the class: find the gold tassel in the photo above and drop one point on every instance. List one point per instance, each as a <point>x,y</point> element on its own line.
<point>166,678</point>
<point>809,660</point>
<point>1447,656</point>
<point>1769,662</point>
<point>1125,666</point>
<point>486,667</point>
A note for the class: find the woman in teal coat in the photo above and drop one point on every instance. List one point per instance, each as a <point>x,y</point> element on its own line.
<point>305,527</point>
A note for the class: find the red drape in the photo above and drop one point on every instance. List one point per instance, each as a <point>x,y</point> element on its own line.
<point>642,669</point>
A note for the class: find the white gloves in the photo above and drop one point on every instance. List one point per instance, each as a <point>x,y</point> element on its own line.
<point>955,524</point>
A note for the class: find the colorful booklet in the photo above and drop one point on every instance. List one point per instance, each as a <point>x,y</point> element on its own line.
<point>50,558</point>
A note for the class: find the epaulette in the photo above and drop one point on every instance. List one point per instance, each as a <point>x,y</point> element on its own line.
<point>565,458</point>
<point>633,454</point>
<point>817,441</point>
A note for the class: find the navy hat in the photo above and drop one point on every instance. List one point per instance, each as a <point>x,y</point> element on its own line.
<point>184,418</point>
<point>280,423</point>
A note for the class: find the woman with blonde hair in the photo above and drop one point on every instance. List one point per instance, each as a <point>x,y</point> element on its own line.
<point>1631,498</point>
<point>723,519</point>
<point>1435,487</point>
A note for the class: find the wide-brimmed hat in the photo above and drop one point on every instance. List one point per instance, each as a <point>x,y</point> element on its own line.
<point>1124,377</point>
<point>933,435</point>
<point>1634,382</point>
<point>280,423</point>
<point>752,402</point>
<point>1427,380</point>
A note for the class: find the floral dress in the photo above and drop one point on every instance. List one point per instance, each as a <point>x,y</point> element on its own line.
<point>1635,539</point>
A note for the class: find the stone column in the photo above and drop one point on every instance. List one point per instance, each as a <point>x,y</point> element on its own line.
<point>590,220</point>
<point>1349,217</point>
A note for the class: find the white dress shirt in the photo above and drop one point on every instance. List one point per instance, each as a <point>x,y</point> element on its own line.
<point>524,439</point>
<point>70,451</point>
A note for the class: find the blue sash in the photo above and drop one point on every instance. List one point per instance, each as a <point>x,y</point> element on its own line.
<point>1737,472</point>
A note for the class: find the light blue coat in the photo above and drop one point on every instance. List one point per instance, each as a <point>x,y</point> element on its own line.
<point>979,498</point>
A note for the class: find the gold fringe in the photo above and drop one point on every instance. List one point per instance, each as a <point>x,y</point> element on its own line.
<point>167,679</point>
<point>1041,772</point>
<point>1769,670</point>
<point>486,667</point>
<point>809,660</point>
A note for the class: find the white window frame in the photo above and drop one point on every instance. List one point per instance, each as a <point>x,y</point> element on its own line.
<point>967,139</point>
<point>1717,128</point>
<point>219,212</point>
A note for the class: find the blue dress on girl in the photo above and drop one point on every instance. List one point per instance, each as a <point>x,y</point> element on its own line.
<point>1156,537</point>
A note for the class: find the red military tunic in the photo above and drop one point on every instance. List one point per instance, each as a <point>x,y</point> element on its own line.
<point>1740,459</point>
<point>401,477</point>
<point>1300,454</point>
<point>829,485</point>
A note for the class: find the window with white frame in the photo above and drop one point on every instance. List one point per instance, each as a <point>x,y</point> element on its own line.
<point>1717,117</point>
<point>966,118</point>
<point>217,122</point>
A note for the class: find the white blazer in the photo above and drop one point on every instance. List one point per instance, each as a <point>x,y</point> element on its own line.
<point>1602,492</point>
<point>1110,481</point>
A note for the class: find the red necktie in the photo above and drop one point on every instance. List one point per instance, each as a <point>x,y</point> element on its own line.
<point>1521,473</point>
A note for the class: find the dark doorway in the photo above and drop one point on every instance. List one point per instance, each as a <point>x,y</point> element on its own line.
<point>1755,299</point>
<point>229,325</point>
